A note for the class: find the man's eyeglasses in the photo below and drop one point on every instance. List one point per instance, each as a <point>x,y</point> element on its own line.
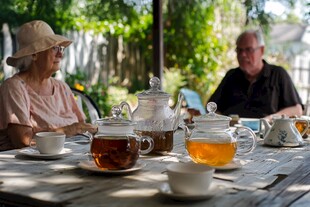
<point>247,50</point>
<point>58,49</point>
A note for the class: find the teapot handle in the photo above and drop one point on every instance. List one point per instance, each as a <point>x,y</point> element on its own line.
<point>124,103</point>
<point>151,144</point>
<point>303,121</point>
<point>244,140</point>
<point>186,130</point>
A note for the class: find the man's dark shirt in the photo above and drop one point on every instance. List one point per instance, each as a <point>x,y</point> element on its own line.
<point>272,91</point>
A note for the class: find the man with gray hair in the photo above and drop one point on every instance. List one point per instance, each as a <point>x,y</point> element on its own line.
<point>256,89</point>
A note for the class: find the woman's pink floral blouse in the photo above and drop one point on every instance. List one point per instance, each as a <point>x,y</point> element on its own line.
<point>19,104</point>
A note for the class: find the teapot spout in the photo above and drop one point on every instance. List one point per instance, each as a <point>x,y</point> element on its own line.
<point>186,130</point>
<point>177,111</point>
<point>266,125</point>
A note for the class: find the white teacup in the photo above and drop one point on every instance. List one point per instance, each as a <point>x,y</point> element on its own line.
<point>48,142</point>
<point>189,178</point>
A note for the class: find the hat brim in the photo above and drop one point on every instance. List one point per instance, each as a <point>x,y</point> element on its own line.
<point>39,46</point>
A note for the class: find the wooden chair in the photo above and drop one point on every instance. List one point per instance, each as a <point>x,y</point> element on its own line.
<point>83,99</point>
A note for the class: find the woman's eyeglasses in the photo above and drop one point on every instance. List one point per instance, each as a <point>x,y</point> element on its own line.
<point>58,49</point>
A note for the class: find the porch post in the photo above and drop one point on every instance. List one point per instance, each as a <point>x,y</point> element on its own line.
<point>158,45</point>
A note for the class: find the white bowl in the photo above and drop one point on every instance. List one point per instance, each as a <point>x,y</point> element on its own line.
<point>189,178</point>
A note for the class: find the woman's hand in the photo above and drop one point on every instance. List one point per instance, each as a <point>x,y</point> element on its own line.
<point>78,128</point>
<point>19,135</point>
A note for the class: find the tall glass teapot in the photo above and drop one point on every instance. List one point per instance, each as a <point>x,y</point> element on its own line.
<point>155,118</point>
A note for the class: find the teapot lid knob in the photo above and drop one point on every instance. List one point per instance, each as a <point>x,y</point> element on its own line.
<point>116,119</point>
<point>154,82</point>
<point>212,119</point>
<point>211,107</point>
<point>116,111</point>
<point>154,91</point>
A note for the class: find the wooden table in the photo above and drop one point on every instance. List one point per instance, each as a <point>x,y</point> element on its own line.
<point>269,177</point>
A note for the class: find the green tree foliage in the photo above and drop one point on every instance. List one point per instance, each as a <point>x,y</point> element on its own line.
<point>256,15</point>
<point>56,13</point>
<point>192,43</point>
<point>111,17</point>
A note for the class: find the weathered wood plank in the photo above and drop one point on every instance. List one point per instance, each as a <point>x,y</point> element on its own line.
<point>303,201</point>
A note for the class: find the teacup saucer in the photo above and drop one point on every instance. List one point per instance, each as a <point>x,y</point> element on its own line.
<point>234,164</point>
<point>165,190</point>
<point>36,154</point>
<point>91,166</point>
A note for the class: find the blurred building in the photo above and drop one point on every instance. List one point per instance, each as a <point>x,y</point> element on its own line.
<point>292,41</point>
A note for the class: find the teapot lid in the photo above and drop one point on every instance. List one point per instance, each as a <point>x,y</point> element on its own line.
<point>154,91</point>
<point>211,119</point>
<point>115,124</point>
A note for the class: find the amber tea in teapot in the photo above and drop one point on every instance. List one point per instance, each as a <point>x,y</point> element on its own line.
<point>116,146</point>
<point>213,142</point>
<point>204,151</point>
<point>115,152</point>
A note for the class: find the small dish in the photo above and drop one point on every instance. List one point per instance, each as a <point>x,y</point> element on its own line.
<point>234,164</point>
<point>91,166</point>
<point>164,189</point>
<point>36,154</point>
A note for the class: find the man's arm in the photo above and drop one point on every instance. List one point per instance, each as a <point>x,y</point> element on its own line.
<point>289,111</point>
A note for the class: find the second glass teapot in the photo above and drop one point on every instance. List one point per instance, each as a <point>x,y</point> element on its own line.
<point>155,118</point>
<point>213,142</point>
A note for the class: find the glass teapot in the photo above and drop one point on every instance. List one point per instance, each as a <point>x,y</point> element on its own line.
<point>115,146</point>
<point>155,118</point>
<point>213,142</point>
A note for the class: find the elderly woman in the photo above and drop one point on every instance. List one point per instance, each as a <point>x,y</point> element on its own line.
<point>32,100</point>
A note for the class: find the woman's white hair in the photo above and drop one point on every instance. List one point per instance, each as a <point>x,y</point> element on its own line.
<point>23,63</point>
